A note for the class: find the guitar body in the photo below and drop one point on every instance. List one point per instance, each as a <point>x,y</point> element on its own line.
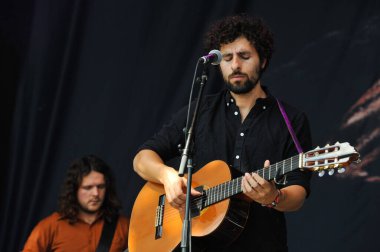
<point>218,224</point>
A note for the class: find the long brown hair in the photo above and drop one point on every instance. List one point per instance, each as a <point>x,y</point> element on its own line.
<point>68,205</point>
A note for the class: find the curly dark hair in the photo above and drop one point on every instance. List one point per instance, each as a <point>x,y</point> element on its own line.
<point>254,29</point>
<point>68,205</point>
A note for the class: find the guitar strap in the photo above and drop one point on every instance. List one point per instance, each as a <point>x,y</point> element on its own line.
<point>107,235</point>
<point>290,128</point>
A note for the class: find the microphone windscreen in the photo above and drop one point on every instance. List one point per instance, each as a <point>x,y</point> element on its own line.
<point>218,58</point>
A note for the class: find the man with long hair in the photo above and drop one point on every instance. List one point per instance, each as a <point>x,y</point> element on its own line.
<point>244,126</point>
<point>87,203</point>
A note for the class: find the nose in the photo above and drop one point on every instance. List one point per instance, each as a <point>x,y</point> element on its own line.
<point>95,191</point>
<point>235,64</point>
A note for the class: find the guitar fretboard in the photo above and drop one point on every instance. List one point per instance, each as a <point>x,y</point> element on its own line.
<point>233,187</point>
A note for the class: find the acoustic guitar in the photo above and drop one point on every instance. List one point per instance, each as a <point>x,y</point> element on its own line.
<point>217,216</point>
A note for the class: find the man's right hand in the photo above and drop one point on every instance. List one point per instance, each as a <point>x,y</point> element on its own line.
<point>149,165</point>
<point>175,189</point>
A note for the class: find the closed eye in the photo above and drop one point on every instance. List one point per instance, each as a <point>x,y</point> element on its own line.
<point>102,186</point>
<point>245,55</point>
<point>227,57</point>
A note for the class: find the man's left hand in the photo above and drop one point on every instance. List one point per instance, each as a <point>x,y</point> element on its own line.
<point>258,189</point>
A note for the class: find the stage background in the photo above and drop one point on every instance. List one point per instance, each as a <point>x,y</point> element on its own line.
<point>80,77</point>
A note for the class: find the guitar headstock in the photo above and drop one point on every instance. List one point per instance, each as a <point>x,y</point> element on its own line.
<point>330,157</point>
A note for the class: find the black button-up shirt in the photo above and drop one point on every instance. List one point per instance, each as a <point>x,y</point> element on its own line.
<point>221,135</point>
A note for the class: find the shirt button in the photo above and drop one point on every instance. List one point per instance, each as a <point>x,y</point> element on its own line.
<point>228,104</point>
<point>232,100</point>
<point>264,107</point>
<point>236,113</point>
<point>242,134</point>
<point>237,157</point>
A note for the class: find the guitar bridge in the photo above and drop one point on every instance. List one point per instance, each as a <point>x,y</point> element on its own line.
<point>159,216</point>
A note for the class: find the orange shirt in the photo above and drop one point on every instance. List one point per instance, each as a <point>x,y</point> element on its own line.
<point>55,234</point>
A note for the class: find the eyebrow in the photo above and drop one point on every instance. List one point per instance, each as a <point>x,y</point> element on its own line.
<point>239,52</point>
<point>92,185</point>
<point>226,55</point>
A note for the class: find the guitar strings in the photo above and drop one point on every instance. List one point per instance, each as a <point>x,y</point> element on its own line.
<point>218,194</point>
<point>215,193</point>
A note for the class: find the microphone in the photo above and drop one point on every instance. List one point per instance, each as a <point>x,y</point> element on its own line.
<point>214,57</point>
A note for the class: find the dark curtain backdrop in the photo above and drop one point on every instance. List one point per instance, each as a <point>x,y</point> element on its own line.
<point>81,76</point>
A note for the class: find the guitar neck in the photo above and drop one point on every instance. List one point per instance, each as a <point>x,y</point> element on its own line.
<point>233,187</point>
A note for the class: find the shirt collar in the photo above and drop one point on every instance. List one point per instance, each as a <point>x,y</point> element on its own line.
<point>261,102</point>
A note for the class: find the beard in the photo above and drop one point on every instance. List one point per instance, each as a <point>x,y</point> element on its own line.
<point>87,210</point>
<point>244,87</point>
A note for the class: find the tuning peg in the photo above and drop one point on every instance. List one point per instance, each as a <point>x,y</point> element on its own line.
<point>331,172</point>
<point>321,173</point>
<point>341,170</point>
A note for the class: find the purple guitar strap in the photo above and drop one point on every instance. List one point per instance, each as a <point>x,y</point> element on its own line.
<point>290,128</point>
<point>291,131</point>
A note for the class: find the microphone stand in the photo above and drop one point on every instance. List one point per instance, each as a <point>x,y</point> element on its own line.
<point>187,159</point>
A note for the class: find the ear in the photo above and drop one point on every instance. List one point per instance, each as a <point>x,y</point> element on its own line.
<point>264,64</point>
